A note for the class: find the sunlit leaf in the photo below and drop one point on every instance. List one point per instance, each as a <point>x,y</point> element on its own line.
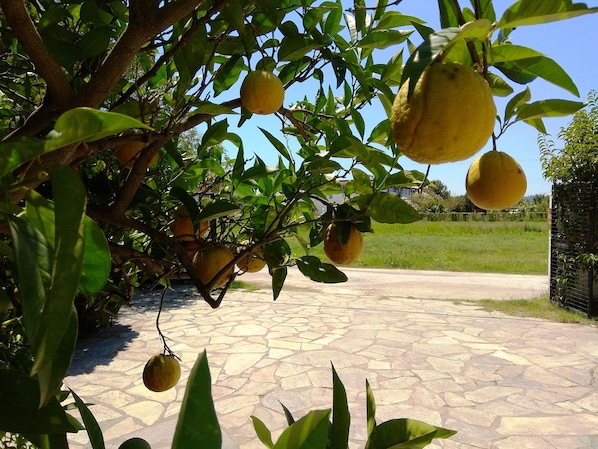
<point>405,433</point>
<point>533,12</point>
<point>309,432</point>
<point>548,108</point>
<point>71,127</point>
<point>388,208</point>
<point>262,432</point>
<point>197,426</point>
<point>341,418</point>
<point>318,271</point>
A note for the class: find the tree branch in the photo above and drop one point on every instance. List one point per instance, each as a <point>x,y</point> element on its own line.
<point>24,29</point>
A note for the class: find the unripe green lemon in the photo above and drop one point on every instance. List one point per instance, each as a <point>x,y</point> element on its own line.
<point>262,92</point>
<point>449,116</point>
<point>495,181</point>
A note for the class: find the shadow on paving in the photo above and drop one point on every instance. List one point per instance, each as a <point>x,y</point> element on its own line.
<point>101,348</point>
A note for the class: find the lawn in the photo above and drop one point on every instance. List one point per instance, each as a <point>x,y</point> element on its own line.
<point>488,247</point>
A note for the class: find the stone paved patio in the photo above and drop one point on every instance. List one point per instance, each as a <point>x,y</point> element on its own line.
<point>501,382</point>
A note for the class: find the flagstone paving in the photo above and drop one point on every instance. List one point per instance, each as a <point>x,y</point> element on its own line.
<point>502,382</point>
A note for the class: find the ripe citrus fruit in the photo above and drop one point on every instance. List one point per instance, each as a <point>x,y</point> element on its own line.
<point>127,153</point>
<point>342,254</point>
<point>208,262</point>
<point>251,262</point>
<point>182,226</point>
<point>262,92</point>
<point>135,443</point>
<point>161,372</point>
<point>495,181</point>
<point>449,117</point>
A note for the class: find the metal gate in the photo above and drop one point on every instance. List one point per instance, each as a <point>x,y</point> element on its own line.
<point>573,239</point>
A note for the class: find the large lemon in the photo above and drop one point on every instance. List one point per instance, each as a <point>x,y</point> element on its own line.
<point>208,262</point>
<point>342,254</point>
<point>449,116</point>
<point>495,181</point>
<point>161,372</point>
<point>262,92</point>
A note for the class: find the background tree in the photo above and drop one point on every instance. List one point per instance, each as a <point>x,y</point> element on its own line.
<point>577,160</point>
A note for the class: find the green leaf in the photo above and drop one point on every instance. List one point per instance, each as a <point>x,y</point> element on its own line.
<point>533,12</point>
<point>20,411</point>
<point>34,256</point>
<point>217,209</point>
<point>388,208</point>
<point>52,374</point>
<point>279,275</point>
<point>262,432</point>
<point>71,127</point>
<point>514,103</point>
<point>318,271</point>
<point>228,75</point>
<point>67,265</point>
<point>384,38</point>
<point>197,426</point>
<point>96,438</point>
<point>405,433</point>
<point>215,134</point>
<point>532,62</point>
<point>548,108</point>
<point>309,432</point>
<point>370,403</point>
<point>341,418</point>
<point>97,260</point>
<point>277,144</point>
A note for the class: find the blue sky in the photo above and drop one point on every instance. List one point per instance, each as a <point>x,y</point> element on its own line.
<point>571,43</point>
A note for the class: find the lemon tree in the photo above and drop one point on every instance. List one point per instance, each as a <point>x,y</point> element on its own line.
<point>81,79</point>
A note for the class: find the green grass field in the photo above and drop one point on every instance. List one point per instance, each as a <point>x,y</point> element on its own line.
<point>490,247</point>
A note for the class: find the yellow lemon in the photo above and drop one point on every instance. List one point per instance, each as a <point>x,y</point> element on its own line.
<point>182,225</point>
<point>495,181</point>
<point>449,117</point>
<point>251,262</point>
<point>161,372</point>
<point>262,92</point>
<point>128,152</point>
<point>208,262</point>
<point>342,254</point>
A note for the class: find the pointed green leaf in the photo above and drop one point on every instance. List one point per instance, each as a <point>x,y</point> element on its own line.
<point>277,144</point>
<point>405,434</point>
<point>518,100</point>
<point>341,418</point>
<point>279,275</point>
<point>287,414</point>
<point>215,134</point>
<point>310,432</point>
<point>548,108</point>
<point>197,426</point>
<point>318,271</point>
<point>262,432</point>
<point>378,39</point>
<point>67,266</point>
<point>533,12</point>
<point>34,256</point>
<point>534,63</point>
<point>388,208</point>
<point>370,403</point>
<point>96,438</point>
<point>217,209</point>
